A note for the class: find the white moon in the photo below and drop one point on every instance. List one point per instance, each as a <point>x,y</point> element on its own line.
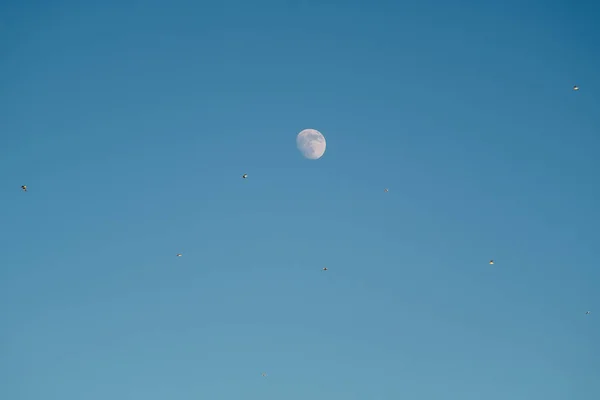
<point>311,144</point>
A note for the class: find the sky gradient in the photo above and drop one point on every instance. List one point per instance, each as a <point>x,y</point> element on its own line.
<point>132,122</point>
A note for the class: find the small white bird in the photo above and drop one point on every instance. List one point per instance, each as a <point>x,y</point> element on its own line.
<point>587,312</point>
<point>491,262</point>
<point>178,254</point>
<point>245,176</point>
<point>576,88</point>
<point>386,190</point>
<point>324,268</point>
<point>24,188</point>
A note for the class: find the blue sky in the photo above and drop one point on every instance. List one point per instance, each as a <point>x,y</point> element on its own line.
<point>132,122</point>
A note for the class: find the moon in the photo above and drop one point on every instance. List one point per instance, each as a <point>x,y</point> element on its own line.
<point>311,144</point>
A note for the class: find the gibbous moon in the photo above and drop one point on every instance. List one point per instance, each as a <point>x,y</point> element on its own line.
<point>311,144</point>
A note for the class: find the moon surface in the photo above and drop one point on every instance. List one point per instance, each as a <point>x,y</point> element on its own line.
<point>311,144</point>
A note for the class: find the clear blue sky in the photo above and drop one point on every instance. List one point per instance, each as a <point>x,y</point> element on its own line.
<point>132,122</point>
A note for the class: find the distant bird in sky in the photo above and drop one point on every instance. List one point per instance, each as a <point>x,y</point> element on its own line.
<point>178,254</point>
<point>386,190</point>
<point>491,262</point>
<point>24,188</point>
<point>587,313</point>
<point>575,87</point>
<point>245,176</point>
<point>324,268</point>
<point>264,374</point>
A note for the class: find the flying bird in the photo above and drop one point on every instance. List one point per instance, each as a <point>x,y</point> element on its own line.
<point>587,313</point>
<point>386,190</point>
<point>245,176</point>
<point>178,254</point>
<point>24,188</point>
<point>264,374</point>
<point>324,268</point>
<point>491,262</point>
<point>576,88</point>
